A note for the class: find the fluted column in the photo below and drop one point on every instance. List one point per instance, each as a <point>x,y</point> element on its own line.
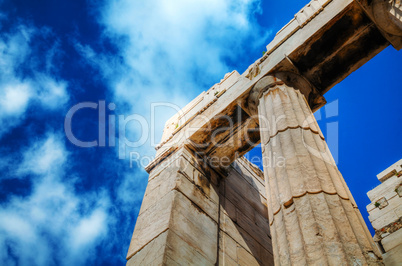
<point>313,218</point>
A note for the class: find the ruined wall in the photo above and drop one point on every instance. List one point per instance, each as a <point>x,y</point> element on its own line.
<point>191,216</point>
<point>244,230</point>
<point>385,213</point>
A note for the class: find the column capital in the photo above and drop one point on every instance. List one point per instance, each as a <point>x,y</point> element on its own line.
<point>298,82</point>
<point>388,16</point>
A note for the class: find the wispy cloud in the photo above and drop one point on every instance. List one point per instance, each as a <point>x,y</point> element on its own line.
<point>27,78</point>
<point>54,224</point>
<point>44,157</point>
<point>170,52</point>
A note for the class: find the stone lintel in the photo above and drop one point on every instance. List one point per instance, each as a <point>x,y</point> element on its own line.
<point>387,16</point>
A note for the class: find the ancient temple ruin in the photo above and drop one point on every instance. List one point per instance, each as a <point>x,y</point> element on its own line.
<point>205,205</point>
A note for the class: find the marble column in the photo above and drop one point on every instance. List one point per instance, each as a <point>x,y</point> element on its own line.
<point>313,217</point>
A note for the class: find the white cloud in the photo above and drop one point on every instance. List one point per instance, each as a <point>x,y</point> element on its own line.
<point>51,93</point>
<point>15,98</point>
<point>127,191</point>
<point>170,51</point>
<point>17,227</point>
<point>44,157</point>
<point>19,89</point>
<point>17,233</point>
<point>176,48</point>
<point>88,230</point>
<point>54,224</point>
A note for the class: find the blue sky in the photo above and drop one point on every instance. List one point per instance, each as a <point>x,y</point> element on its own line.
<point>63,204</point>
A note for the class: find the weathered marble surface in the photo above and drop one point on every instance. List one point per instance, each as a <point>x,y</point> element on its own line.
<point>385,213</point>
<point>313,218</point>
<point>191,215</point>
